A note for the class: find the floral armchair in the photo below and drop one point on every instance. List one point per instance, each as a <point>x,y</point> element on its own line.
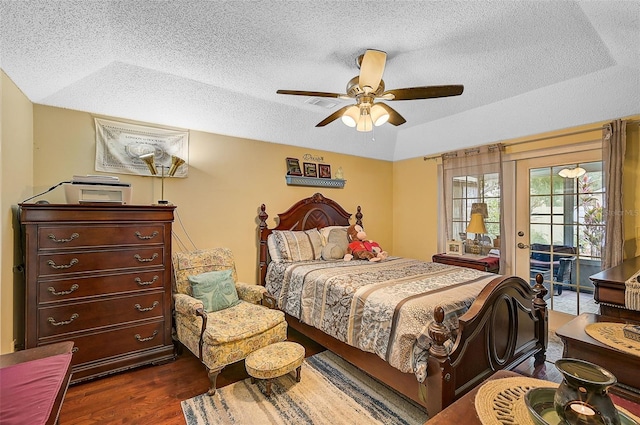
<point>222,337</point>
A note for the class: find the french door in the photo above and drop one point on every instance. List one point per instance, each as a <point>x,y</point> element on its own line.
<point>559,226</point>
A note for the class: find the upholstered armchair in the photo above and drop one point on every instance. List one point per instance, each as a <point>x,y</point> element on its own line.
<point>237,327</point>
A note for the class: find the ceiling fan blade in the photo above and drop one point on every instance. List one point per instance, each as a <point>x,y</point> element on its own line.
<point>371,70</point>
<point>394,117</point>
<point>427,92</point>
<point>337,114</point>
<point>310,93</point>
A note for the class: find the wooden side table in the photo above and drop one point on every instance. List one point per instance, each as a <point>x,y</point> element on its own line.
<point>578,344</point>
<point>478,262</point>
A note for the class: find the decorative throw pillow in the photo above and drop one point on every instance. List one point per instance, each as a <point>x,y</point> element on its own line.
<point>332,251</point>
<point>324,231</point>
<point>339,237</point>
<point>215,289</point>
<point>288,245</point>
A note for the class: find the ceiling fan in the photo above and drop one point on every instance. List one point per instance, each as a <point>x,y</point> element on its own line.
<point>369,86</point>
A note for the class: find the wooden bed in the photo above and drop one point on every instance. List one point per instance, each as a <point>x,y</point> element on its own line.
<point>505,325</point>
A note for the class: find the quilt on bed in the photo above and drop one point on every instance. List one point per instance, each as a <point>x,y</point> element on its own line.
<point>384,308</point>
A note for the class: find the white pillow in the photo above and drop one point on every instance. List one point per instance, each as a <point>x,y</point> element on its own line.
<point>326,230</point>
<point>288,246</point>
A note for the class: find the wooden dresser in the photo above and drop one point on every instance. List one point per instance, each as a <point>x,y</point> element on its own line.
<point>100,276</point>
<point>610,287</point>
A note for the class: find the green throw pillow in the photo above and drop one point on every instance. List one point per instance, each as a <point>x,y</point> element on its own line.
<point>216,290</point>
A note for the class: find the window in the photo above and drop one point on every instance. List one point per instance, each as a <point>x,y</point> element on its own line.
<point>467,190</point>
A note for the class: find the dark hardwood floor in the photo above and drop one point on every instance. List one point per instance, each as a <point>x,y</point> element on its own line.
<point>152,394</point>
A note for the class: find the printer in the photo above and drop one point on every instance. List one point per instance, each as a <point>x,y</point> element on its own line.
<point>97,189</point>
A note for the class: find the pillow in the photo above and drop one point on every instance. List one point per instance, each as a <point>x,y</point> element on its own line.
<point>215,289</point>
<point>288,245</point>
<point>326,230</point>
<point>332,251</point>
<point>339,237</point>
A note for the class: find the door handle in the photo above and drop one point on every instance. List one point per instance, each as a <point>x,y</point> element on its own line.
<point>522,246</point>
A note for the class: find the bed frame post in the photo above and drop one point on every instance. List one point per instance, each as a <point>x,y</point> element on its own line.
<point>359,216</point>
<point>440,372</point>
<point>540,307</point>
<point>262,249</point>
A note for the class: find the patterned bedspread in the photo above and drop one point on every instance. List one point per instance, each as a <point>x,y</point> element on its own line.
<point>384,308</point>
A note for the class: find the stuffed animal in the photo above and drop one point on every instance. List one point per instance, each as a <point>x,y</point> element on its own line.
<point>360,248</point>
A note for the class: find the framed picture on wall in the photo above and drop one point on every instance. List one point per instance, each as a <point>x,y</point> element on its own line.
<point>310,169</point>
<point>324,171</point>
<point>293,167</point>
<point>455,247</point>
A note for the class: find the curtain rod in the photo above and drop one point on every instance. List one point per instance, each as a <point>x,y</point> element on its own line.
<point>539,139</point>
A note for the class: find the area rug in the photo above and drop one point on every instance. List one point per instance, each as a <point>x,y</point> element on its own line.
<point>331,391</point>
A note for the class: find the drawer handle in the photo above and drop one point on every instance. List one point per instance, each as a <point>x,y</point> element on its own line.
<point>52,263</point>
<point>74,316</point>
<point>141,339</point>
<point>151,236</point>
<point>151,282</point>
<point>145,260</point>
<point>73,288</point>
<point>140,308</point>
<point>73,236</point>
<point>74,350</point>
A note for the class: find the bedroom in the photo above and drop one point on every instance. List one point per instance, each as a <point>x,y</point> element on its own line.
<point>43,145</point>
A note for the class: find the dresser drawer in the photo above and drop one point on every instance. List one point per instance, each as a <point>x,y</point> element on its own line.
<point>102,345</point>
<point>96,285</point>
<point>68,318</point>
<point>75,236</point>
<point>96,261</point>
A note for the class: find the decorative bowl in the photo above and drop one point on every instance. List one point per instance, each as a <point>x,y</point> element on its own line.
<point>541,408</point>
<point>583,394</point>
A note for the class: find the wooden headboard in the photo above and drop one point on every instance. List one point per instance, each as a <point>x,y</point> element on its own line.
<point>313,212</point>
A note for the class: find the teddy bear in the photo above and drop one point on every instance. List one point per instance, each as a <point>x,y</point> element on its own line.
<point>360,248</point>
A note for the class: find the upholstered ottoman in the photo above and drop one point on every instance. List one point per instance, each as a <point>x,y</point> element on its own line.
<point>275,360</point>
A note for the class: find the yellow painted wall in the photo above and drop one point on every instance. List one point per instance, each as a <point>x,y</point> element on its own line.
<point>16,175</point>
<point>631,192</point>
<point>229,178</point>
<point>415,208</point>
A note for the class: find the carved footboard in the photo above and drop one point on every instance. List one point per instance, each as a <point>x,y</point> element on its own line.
<point>504,326</point>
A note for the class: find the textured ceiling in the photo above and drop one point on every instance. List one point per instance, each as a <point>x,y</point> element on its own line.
<point>527,66</point>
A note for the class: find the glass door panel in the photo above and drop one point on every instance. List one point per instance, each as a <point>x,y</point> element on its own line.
<point>560,227</point>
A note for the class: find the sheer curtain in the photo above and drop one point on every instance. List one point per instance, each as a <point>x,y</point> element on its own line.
<point>467,163</point>
<point>614,137</point>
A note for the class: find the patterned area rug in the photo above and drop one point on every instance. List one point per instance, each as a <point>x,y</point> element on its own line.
<point>554,347</point>
<point>331,391</point>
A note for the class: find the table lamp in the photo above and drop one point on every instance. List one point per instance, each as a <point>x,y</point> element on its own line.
<point>176,162</point>
<point>476,224</point>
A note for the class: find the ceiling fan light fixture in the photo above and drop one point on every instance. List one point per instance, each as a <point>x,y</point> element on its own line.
<point>365,124</point>
<point>379,115</point>
<point>351,116</point>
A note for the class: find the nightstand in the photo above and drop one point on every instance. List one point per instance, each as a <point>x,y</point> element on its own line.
<point>478,262</point>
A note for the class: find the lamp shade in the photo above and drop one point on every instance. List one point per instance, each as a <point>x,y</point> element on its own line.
<point>571,173</point>
<point>176,162</point>
<point>351,116</point>
<point>149,159</point>
<point>379,115</point>
<point>476,224</point>
<point>480,207</point>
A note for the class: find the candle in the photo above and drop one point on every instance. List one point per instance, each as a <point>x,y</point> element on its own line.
<point>582,409</point>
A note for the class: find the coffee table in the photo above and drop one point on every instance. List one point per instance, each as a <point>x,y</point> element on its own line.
<point>578,344</point>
